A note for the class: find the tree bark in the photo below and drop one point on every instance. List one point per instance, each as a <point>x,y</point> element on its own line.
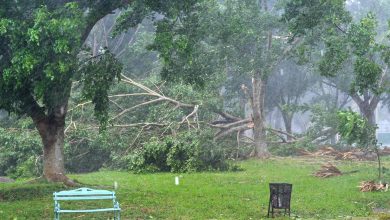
<point>52,134</point>
<point>51,129</point>
<point>258,97</point>
<point>261,149</point>
<point>367,106</point>
<point>369,114</point>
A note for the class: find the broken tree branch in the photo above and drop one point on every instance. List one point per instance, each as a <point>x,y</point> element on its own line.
<point>275,131</point>
<point>192,114</point>
<point>223,133</point>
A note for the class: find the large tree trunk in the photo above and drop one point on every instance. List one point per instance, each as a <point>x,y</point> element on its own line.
<point>261,149</point>
<point>369,113</point>
<point>258,97</point>
<point>367,105</point>
<point>51,129</point>
<point>52,134</point>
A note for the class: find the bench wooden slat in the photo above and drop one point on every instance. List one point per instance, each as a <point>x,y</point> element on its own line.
<point>89,210</point>
<point>75,198</point>
<point>84,191</point>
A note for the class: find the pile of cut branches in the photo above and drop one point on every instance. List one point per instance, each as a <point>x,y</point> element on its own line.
<point>328,170</point>
<point>322,151</point>
<point>370,186</point>
<point>327,151</point>
<point>304,152</point>
<point>356,155</point>
<point>385,151</point>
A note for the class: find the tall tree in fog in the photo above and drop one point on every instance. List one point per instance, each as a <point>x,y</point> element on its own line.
<point>286,88</point>
<point>243,37</point>
<point>351,48</point>
<point>247,35</point>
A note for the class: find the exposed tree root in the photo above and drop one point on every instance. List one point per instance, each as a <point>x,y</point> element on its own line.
<point>57,179</point>
<point>261,155</point>
<point>67,182</point>
<point>63,179</point>
<point>40,179</point>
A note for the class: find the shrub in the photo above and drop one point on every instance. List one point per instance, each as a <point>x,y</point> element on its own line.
<point>86,151</point>
<point>185,152</point>
<point>20,152</point>
<point>152,158</point>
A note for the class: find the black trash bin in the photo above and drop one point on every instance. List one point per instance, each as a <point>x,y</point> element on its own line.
<point>279,198</point>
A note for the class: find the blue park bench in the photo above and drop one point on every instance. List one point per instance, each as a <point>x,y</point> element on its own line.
<point>84,194</point>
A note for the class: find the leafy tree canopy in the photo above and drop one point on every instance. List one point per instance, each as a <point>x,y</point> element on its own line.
<point>37,50</point>
<point>39,58</point>
<point>40,51</point>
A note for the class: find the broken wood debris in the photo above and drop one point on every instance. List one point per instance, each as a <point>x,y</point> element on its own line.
<point>372,186</point>
<point>327,151</point>
<point>328,170</point>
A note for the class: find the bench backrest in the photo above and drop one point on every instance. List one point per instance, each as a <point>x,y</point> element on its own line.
<point>84,194</point>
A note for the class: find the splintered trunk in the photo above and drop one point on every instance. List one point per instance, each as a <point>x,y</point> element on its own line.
<point>51,130</point>
<point>287,119</point>
<point>261,149</point>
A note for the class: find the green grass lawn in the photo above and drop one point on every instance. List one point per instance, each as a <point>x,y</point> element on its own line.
<point>227,195</point>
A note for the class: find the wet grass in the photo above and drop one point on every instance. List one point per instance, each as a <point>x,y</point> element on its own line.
<point>227,195</point>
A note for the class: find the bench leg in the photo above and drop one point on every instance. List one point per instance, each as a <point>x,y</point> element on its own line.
<point>269,209</point>
<point>56,216</point>
<point>117,215</point>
